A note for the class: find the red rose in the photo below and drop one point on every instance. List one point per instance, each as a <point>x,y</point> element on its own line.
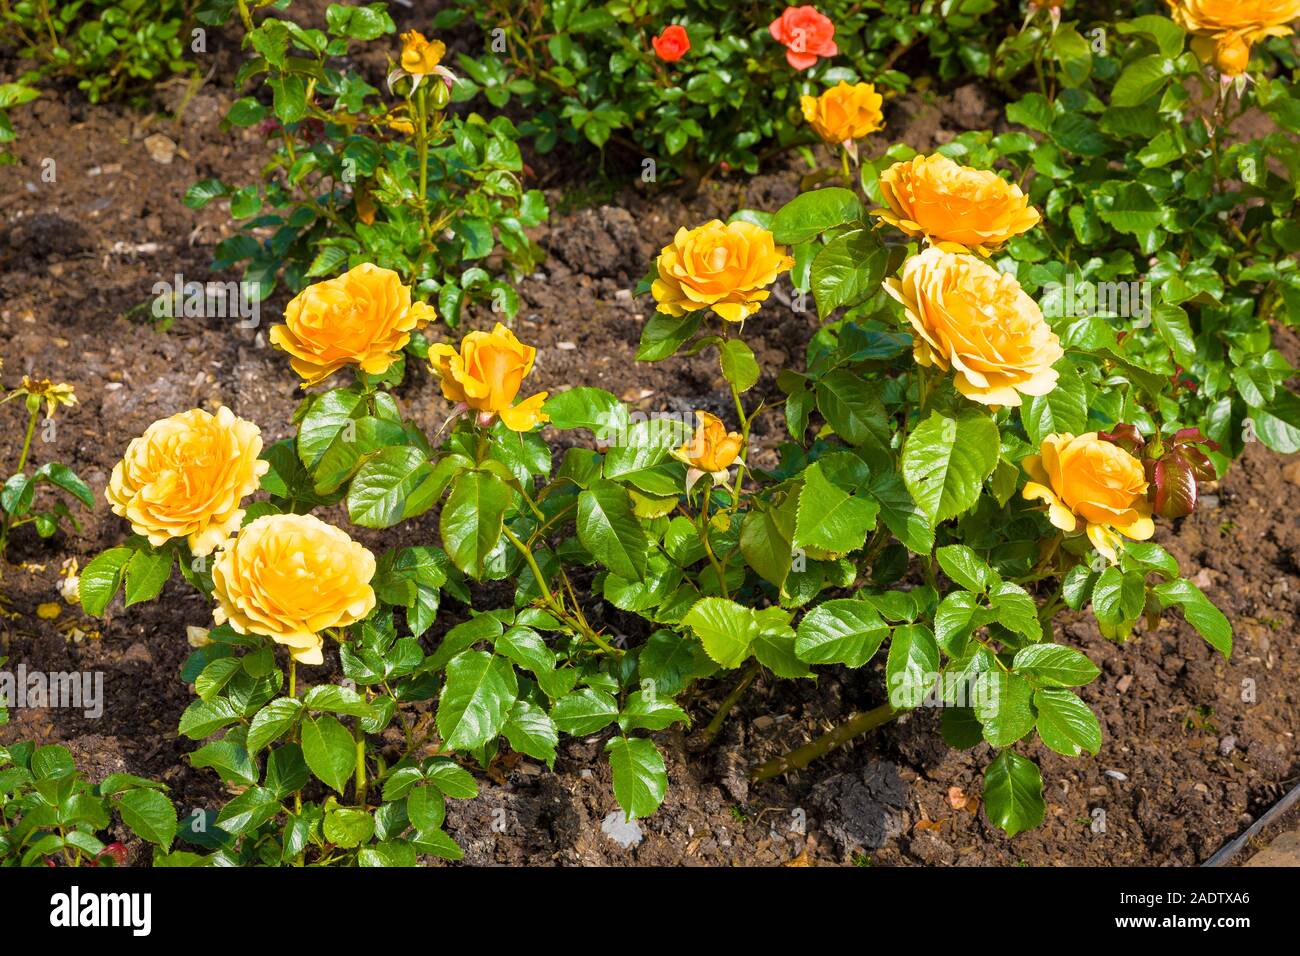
<point>671,44</point>
<point>806,34</point>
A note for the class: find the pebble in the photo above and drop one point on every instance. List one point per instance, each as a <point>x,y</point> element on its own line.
<point>626,834</point>
<point>1227,745</point>
<point>161,149</point>
<point>565,346</point>
<point>1124,683</point>
<point>1116,775</point>
<point>1208,501</point>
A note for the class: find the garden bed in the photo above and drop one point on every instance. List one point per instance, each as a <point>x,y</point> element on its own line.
<point>1186,762</point>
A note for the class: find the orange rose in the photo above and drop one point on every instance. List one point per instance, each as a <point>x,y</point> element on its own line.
<point>1089,479</point>
<point>934,197</point>
<point>671,45</point>
<point>807,35</point>
<point>363,318</point>
<point>977,321</point>
<point>187,476</point>
<point>712,448</point>
<point>844,113</point>
<point>726,268</point>
<point>486,375</point>
<point>289,577</point>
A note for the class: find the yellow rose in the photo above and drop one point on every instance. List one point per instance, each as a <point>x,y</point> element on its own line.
<point>844,113</point>
<point>977,321</point>
<point>419,55</point>
<point>363,317</point>
<point>934,197</point>
<point>1231,55</point>
<point>1251,19</point>
<point>1087,479</point>
<point>712,448</point>
<point>725,268</point>
<point>186,476</point>
<point>289,577</point>
<point>486,375</point>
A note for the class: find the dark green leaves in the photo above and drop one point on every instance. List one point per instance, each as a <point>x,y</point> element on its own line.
<point>640,777</point>
<point>329,750</point>
<point>472,517</point>
<point>476,702</point>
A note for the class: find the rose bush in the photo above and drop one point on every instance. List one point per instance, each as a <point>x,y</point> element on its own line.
<point>966,453</point>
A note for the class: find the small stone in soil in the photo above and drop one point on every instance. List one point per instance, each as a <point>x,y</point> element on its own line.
<point>626,834</point>
<point>1116,775</point>
<point>1208,501</point>
<point>565,346</point>
<point>1227,745</point>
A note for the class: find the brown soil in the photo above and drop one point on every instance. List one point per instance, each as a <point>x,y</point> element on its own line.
<point>1189,758</point>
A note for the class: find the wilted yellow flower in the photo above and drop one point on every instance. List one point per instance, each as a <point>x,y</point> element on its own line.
<point>420,55</point>
<point>977,321</point>
<point>726,268</point>
<point>486,375</point>
<point>53,394</point>
<point>934,197</point>
<point>712,448</point>
<point>289,577</point>
<point>1086,478</point>
<point>844,113</point>
<point>186,477</point>
<point>363,318</point>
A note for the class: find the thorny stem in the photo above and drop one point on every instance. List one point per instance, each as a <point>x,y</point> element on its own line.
<point>751,672</point>
<point>800,757</point>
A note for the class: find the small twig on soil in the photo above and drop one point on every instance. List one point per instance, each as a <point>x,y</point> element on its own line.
<point>799,758</point>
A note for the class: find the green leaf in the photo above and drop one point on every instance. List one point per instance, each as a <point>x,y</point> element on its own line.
<point>1003,707</point>
<point>531,731</point>
<point>853,408</point>
<point>427,808</point>
<point>229,760</point>
<point>900,514</point>
<point>1063,409</point>
<point>481,689</point>
<point>912,666</point>
<point>377,497</point>
<point>324,422</point>
<point>472,519</point>
<point>1013,793</point>
<point>1015,610</point>
<point>812,213</point>
<point>829,519</point>
<point>1143,79</point>
<point>966,567</point>
<point>664,334</point>
<point>1200,613</point>
<point>640,777</point>
<point>848,271</point>
<point>584,712</point>
<point>329,750</point>
<point>1278,425</point>
<point>64,477</point>
<point>725,628</point>
<point>739,367</point>
<point>647,711</point>
<point>766,538</point>
<point>1055,665</point>
<point>101,578</point>
<point>843,631</point>
<point>337,700</point>
<point>1066,724</point>
<point>594,409</point>
<point>608,529</point>
<point>946,460</point>
<point>453,780</point>
<point>1117,601</point>
<point>146,573</point>
<point>150,815</point>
